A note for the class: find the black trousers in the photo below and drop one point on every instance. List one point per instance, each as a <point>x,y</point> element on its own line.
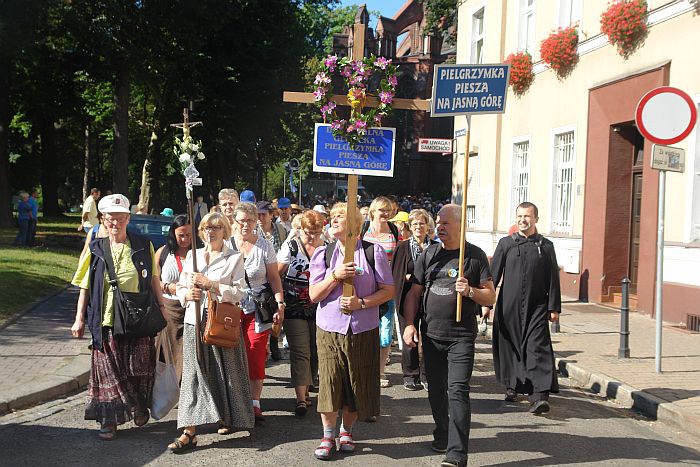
<point>449,366</point>
<point>412,362</point>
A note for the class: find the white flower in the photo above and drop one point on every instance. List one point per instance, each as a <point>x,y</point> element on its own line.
<point>184,157</point>
<point>194,147</point>
<point>184,146</point>
<point>200,156</point>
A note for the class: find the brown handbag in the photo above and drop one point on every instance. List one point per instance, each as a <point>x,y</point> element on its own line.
<point>223,327</point>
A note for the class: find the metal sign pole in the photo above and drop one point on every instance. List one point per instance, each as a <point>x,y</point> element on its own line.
<point>658,307</point>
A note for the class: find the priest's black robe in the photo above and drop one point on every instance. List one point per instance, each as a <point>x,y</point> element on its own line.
<point>522,347</point>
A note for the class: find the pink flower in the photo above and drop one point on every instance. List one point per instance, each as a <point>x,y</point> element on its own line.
<point>337,124</point>
<point>346,71</point>
<point>319,93</point>
<point>350,129</point>
<point>386,97</point>
<point>382,62</point>
<point>378,120</point>
<point>393,81</point>
<point>361,126</point>
<point>331,62</point>
<point>322,78</point>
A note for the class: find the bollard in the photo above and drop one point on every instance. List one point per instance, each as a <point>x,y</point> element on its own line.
<point>624,350</point>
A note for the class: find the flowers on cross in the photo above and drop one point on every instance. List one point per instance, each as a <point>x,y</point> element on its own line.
<point>559,50</point>
<point>358,76</point>
<point>625,24</point>
<point>521,74</point>
<point>188,150</point>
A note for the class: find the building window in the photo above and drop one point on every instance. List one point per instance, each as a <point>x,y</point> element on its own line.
<point>569,13</point>
<point>521,174</point>
<point>526,26</point>
<point>478,37</point>
<point>471,216</point>
<point>563,189</point>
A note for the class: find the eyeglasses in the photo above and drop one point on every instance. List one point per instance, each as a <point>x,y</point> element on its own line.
<point>114,220</point>
<point>212,228</point>
<point>242,222</point>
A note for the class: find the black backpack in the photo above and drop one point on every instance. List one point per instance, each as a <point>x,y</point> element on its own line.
<point>392,227</point>
<point>367,246</point>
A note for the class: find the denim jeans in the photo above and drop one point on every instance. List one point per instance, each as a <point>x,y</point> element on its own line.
<point>449,366</point>
<point>22,237</point>
<point>386,325</point>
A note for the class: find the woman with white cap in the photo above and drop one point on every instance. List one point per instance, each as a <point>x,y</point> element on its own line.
<point>123,368</point>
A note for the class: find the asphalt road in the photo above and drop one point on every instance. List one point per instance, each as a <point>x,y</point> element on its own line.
<point>580,429</point>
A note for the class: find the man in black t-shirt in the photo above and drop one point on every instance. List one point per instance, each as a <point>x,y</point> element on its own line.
<point>448,345</point>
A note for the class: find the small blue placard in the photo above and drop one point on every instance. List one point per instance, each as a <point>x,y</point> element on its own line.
<point>372,155</point>
<point>469,89</point>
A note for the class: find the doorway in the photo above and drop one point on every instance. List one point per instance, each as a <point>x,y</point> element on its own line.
<point>636,211</point>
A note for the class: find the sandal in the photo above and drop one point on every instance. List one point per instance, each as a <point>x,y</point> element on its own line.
<point>346,443</point>
<point>107,432</point>
<point>325,449</point>
<point>178,447</point>
<point>224,430</point>
<point>384,383</point>
<point>300,409</point>
<point>309,402</point>
<point>141,418</point>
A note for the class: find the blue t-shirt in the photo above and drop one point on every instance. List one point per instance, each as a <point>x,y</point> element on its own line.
<point>24,210</point>
<point>35,207</point>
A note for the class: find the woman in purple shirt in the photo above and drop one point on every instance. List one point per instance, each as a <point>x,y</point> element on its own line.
<point>347,334</point>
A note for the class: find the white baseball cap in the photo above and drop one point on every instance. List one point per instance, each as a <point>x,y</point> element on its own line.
<point>113,203</point>
<point>320,208</point>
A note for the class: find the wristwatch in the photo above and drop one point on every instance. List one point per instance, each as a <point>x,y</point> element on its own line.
<point>471,292</point>
<point>362,303</point>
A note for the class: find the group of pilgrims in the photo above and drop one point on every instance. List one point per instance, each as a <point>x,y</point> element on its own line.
<point>405,266</point>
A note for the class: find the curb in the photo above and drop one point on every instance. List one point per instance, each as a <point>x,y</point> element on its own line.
<point>13,319</point>
<point>67,380</point>
<point>629,397</point>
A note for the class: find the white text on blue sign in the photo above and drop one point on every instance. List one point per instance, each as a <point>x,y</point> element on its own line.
<point>469,89</point>
<point>372,155</point>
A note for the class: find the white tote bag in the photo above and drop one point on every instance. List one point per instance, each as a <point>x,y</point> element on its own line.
<point>166,387</point>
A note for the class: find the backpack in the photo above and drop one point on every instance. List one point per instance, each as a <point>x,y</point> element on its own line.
<point>367,246</point>
<point>392,228</point>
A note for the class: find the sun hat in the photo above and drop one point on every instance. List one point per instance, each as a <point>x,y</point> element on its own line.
<point>167,212</point>
<point>113,203</point>
<point>284,203</point>
<point>247,196</point>
<point>320,208</point>
<point>401,216</point>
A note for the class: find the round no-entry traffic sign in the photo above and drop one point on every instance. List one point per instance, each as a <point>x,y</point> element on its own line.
<point>666,115</point>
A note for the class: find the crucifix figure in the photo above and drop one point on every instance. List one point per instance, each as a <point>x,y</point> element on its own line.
<point>191,178</point>
<point>358,33</point>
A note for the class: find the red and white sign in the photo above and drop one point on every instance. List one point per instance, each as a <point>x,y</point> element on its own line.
<point>666,115</point>
<point>435,145</point>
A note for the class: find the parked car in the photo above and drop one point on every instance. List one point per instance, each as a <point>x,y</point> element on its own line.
<point>155,228</point>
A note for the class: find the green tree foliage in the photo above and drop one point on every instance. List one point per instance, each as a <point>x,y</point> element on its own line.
<point>441,18</point>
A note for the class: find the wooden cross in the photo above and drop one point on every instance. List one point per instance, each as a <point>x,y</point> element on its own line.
<point>352,229</point>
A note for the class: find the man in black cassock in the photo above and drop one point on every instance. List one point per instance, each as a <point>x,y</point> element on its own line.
<point>530,297</point>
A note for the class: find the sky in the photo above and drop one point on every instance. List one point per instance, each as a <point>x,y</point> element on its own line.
<point>387,8</point>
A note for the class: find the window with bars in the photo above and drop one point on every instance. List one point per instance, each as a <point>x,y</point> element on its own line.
<point>521,174</point>
<point>471,216</point>
<point>478,37</point>
<point>563,189</point>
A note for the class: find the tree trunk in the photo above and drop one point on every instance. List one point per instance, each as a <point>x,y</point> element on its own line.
<point>145,194</point>
<point>5,118</point>
<point>86,163</point>
<point>49,176</point>
<point>120,162</point>
<point>149,198</point>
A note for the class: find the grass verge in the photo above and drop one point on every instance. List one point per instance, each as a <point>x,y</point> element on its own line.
<point>29,274</point>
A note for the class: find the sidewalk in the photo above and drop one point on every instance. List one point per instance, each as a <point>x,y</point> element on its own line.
<point>39,360</point>
<point>587,349</point>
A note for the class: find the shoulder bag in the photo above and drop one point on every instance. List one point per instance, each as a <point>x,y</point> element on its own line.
<point>265,302</point>
<point>223,328</point>
<point>136,314</point>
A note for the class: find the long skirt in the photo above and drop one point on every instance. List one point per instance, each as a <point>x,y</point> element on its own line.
<point>221,396</point>
<point>175,318</point>
<point>121,379</point>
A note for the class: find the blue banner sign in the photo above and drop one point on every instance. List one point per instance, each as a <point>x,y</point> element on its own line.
<point>372,155</point>
<point>469,89</point>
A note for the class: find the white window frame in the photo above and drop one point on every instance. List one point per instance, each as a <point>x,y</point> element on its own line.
<point>514,175</point>
<point>522,39</point>
<point>553,226</point>
<point>575,13</point>
<point>478,15</point>
<point>473,182</point>
<point>691,230</point>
